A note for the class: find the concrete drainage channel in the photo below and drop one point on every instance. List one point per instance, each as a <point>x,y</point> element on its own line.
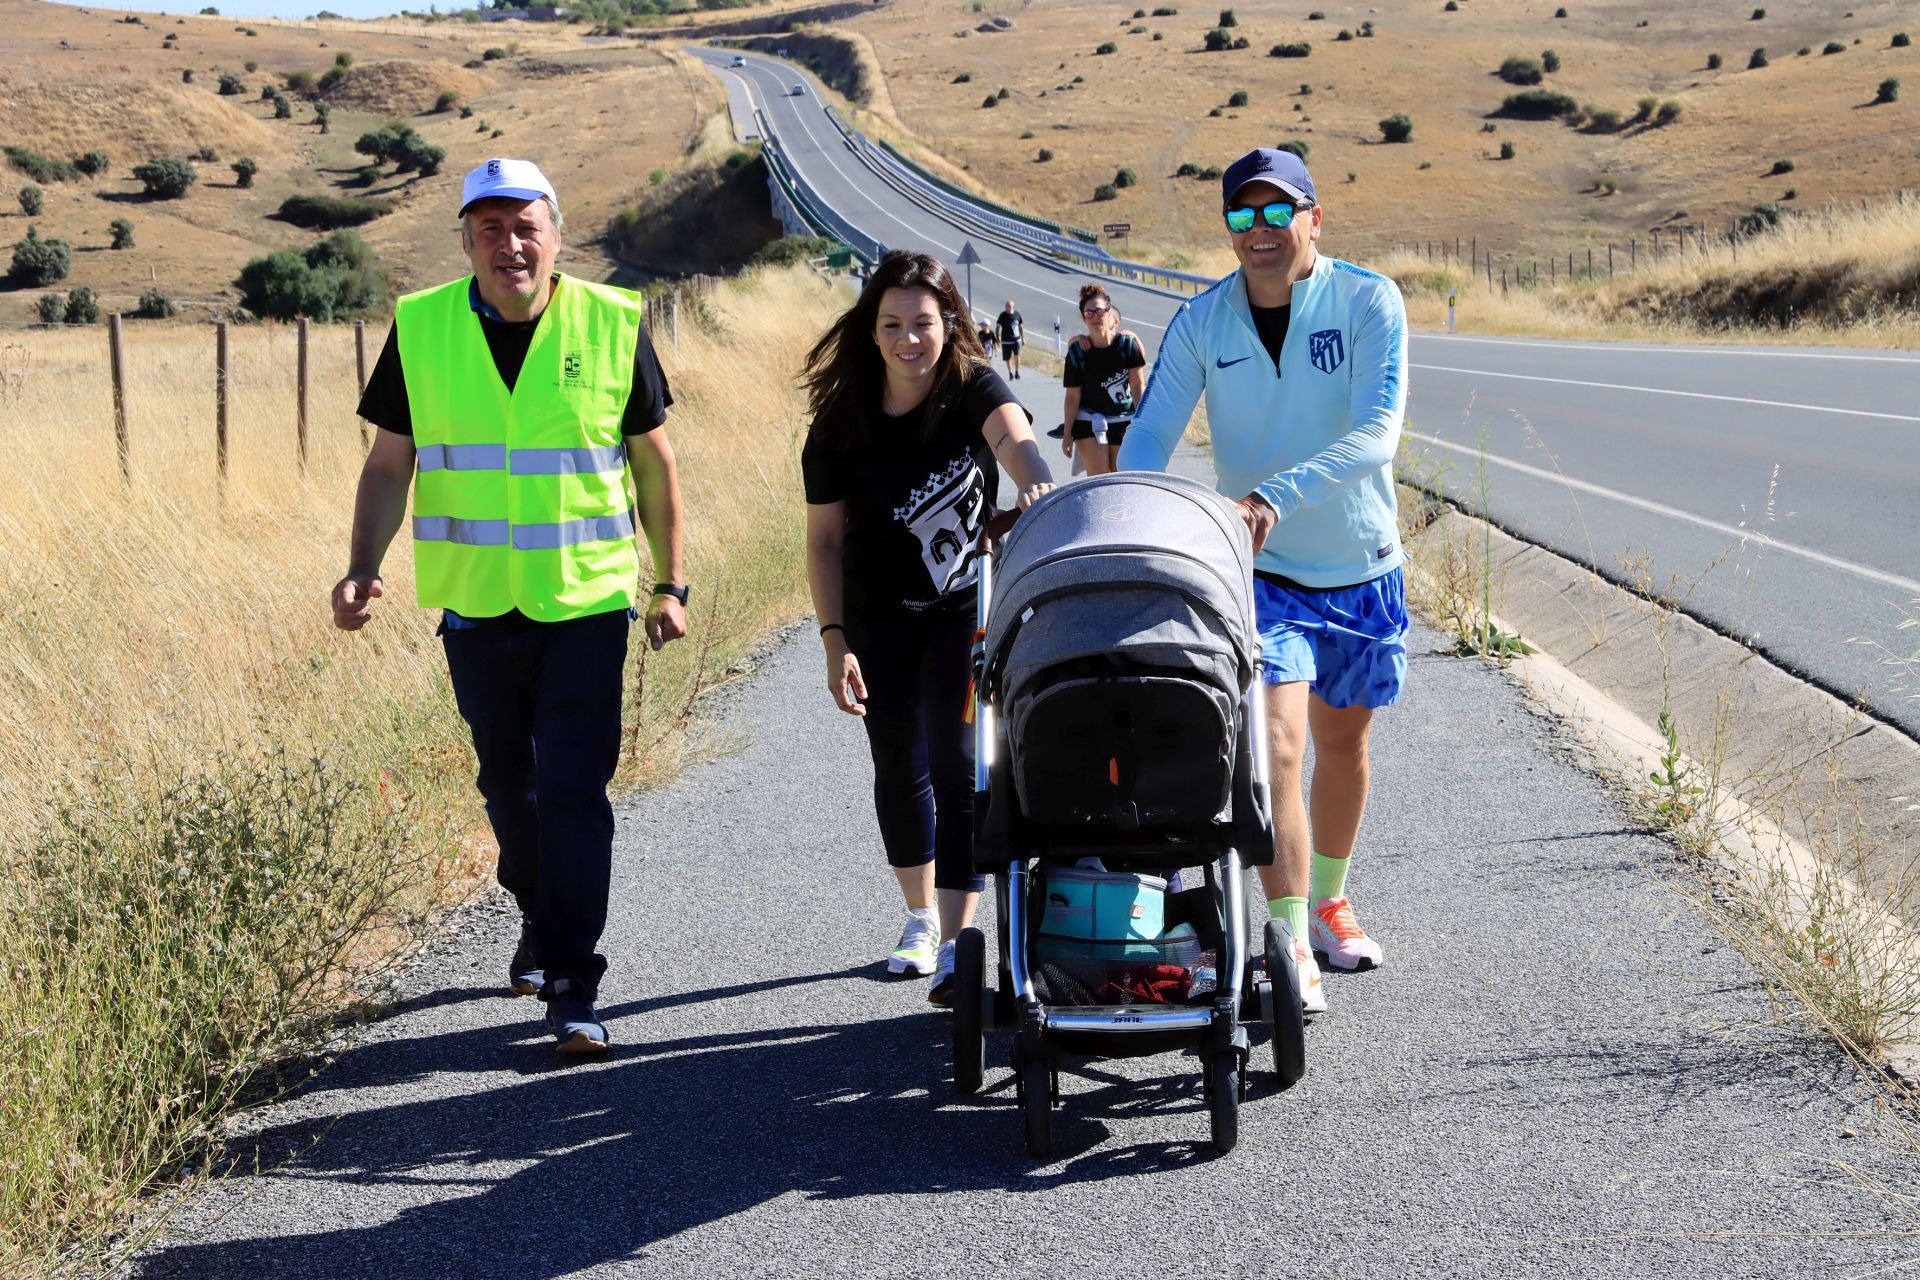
<point>1813,806</point>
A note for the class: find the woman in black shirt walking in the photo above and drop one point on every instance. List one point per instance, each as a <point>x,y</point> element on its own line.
<point>1105,376</point>
<point>911,426</point>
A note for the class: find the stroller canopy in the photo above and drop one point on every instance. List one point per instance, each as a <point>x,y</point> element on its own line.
<point>1152,569</point>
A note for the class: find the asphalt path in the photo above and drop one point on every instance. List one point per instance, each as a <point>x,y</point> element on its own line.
<point>1561,1071</point>
<point>1773,488</point>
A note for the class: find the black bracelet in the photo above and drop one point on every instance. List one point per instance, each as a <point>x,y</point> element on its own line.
<point>832,626</point>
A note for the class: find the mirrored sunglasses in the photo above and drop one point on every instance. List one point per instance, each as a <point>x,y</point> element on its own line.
<point>1279,214</point>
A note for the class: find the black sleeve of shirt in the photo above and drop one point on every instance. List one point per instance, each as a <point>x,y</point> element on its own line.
<point>1135,355</point>
<point>648,402</point>
<point>384,401</point>
<point>823,473</point>
<point>1072,373</point>
<point>985,393</point>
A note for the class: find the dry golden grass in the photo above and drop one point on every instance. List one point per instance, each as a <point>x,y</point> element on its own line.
<point>169,659</point>
<point>1849,277</point>
<point>131,118</point>
<point>402,88</point>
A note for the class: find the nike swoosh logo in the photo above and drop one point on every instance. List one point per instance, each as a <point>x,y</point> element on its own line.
<point>1218,363</point>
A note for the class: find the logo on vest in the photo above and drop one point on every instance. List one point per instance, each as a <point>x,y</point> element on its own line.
<point>572,366</point>
<point>1326,350</point>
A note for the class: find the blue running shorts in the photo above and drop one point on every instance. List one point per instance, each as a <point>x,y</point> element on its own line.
<point>1350,645</point>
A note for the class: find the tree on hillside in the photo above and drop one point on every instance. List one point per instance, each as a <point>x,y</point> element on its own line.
<point>122,232</point>
<point>38,263</point>
<point>243,170</point>
<point>1397,127</point>
<point>32,200</point>
<point>166,178</point>
<point>338,277</point>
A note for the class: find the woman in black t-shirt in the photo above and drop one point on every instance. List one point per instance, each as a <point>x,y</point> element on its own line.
<point>1105,376</point>
<point>910,428</point>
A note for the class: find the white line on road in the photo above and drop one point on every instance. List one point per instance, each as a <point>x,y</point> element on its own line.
<point>1674,513</point>
<point>1666,391</point>
<point>1557,345</point>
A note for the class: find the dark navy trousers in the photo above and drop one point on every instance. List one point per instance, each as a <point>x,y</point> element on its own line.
<point>543,702</point>
<point>916,668</point>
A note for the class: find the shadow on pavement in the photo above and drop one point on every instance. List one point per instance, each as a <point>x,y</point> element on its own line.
<point>562,1167</point>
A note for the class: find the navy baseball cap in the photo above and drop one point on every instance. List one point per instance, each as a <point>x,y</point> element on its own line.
<point>1283,169</point>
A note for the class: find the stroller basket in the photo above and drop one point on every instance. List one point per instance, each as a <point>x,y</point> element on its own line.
<point>1077,973</point>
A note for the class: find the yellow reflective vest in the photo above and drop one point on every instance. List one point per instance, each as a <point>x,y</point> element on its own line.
<point>521,499</point>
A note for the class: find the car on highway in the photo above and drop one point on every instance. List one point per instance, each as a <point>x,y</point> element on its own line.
<point>799,91</point>
<point>738,61</point>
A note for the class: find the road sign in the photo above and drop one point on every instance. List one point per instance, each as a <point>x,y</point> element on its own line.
<point>1115,230</point>
<point>968,256</point>
<point>839,259</point>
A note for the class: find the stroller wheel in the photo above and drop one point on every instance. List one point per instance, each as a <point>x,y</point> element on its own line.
<point>1036,1103</point>
<point>969,999</point>
<point>1285,1021</point>
<point>1223,1099</point>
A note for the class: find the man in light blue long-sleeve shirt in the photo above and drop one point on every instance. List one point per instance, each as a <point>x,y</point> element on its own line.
<point>1302,359</point>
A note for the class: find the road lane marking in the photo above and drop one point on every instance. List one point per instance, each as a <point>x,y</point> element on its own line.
<point>1556,345</point>
<point>1674,513</point>
<point>1665,391</point>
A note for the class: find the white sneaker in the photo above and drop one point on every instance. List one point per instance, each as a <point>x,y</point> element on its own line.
<point>918,943</point>
<point>1333,933</point>
<point>941,992</point>
<point>1313,991</point>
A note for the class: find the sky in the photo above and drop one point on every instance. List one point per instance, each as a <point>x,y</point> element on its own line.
<point>275,8</point>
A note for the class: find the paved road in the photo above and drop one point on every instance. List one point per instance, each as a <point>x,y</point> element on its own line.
<point>1560,1072</point>
<point>1604,451</point>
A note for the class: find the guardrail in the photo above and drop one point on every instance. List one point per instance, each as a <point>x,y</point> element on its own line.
<point>815,212</point>
<point>928,176</point>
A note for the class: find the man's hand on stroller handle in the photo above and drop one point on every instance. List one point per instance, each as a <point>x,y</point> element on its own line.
<point>1260,517</point>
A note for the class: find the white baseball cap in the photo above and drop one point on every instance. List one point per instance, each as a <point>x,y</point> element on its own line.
<point>514,179</point>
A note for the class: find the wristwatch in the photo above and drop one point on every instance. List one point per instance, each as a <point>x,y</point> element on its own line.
<point>679,593</point>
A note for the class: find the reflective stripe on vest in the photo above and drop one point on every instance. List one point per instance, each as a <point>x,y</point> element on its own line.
<point>522,498</point>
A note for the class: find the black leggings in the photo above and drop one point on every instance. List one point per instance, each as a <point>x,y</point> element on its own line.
<point>916,672</point>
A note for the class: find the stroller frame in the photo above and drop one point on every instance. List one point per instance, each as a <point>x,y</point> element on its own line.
<point>1044,1033</point>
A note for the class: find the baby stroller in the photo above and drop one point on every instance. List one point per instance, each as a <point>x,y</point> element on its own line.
<point>1121,753</point>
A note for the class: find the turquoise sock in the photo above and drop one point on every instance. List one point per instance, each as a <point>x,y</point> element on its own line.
<point>1293,911</point>
<point>1329,878</point>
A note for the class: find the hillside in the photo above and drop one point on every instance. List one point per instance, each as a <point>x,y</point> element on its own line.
<point>599,121</point>
<point>1154,104</point>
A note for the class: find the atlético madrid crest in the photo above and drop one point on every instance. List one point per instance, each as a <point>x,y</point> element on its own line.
<point>1326,350</point>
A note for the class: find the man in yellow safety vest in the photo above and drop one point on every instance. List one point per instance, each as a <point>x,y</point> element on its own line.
<point>524,409</point>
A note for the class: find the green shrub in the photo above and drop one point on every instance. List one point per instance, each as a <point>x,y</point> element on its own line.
<point>243,170</point>
<point>52,309</point>
<point>1537,104</point>
<point>206,155</point>
<point>991,100</point>
<point>1187,169</point>
<point>1366,29</point>
<point>1003,94</point>
<point>1227,19</point>
<point>1451,6</point>
<point>1780,167</point>
<point>282,109</point>
<point>1518,70</point>
<point>1299,50</point>
<point>186,76</point>
<point>447,101</point>
<point>1218,40</point>
<point>269,91</point>
<point>92,163</point>
<point>965,77</point>
<point>38,263</point>
<point>1803,51</point>
<point>1158,36</point>
<point>1306,90</point>
<point>466,113</point>
<point>32,200</point>
<point>299,81</point>
<point>122,232</point>
<point>1108,47</point>
<point>344,60</point>
<point>1603,120</point>
<point>1316,16</point>
<point>231,85</point>
<point>83,306</point>
<point>1105,191</point>
<point>1238,98</point>
<point>1644,109</point>
<point>333,76</point>
<point>1506,150</point>
<point>1833,46</point>
<point>1757,15</point>
<point>1126,178</point>
<point>323,116</point>
<point>1216,113</point>
<point>166,178</point>
<point>789,251</point>
<point>1789,193</point>
<point>654,178</point>
<point>1210,174</point>
<point>494,55</point>
<point>1550,61</point>
<point>330,213</point>
<point>1889,91</point>
<point>338,277</point>
<point>1166,12</point>
<point>1044,156</point>
<point>154,305</point>
<point>1397,127</point>
<point>1560,13</point>
<point>1668,113</point>
<point>1294,145</point>
<point>40,168</point>
<point>1901,40</point>
<point>251,66</point>
<point>1715,62</point>
<point>1139,13</point>
<point>1757,59</point>
<point>1765,217</point>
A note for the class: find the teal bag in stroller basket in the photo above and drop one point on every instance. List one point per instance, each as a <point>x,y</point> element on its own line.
<point>1103,939</point>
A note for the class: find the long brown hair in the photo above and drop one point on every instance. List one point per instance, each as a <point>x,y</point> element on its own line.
<point>845,375</point>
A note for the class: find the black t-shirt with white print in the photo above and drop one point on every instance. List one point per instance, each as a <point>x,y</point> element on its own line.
<point>914,509</point>
<point>1101,375</point>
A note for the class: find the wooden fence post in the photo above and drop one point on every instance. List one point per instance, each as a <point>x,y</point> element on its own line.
<point>1609,259</point>
<point>360,372</point>
<point>302,330</point>
<point>116,353</point>
<point>1590,260</point>
<point>673,319</point>
<point>220,367</point>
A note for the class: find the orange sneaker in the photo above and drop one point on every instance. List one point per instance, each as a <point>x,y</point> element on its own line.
<point>1338,939</point>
